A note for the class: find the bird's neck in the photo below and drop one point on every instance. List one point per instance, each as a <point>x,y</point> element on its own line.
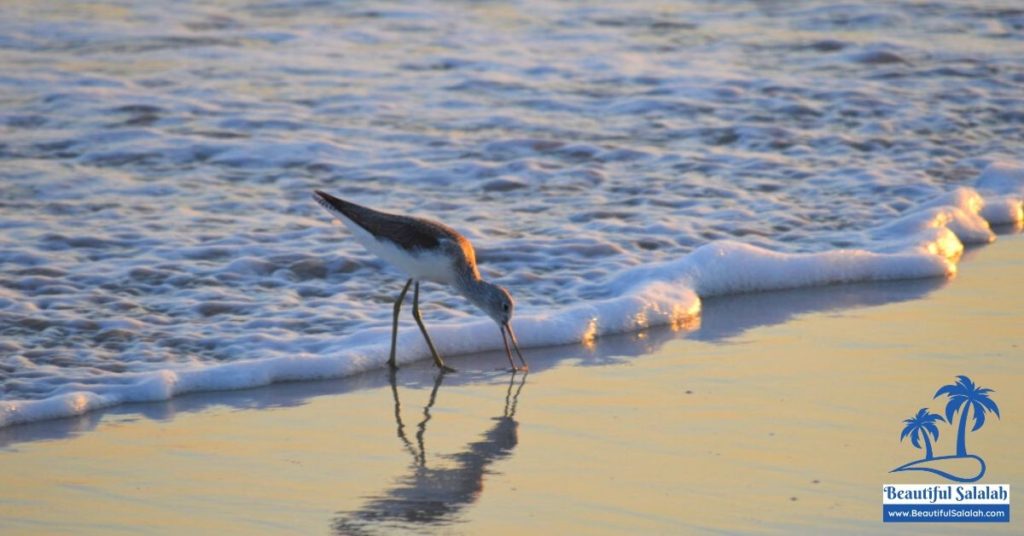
<point>473,287</point>
<point>469,283</point>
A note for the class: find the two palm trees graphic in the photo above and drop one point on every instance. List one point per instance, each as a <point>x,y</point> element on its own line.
<point>966,398</point>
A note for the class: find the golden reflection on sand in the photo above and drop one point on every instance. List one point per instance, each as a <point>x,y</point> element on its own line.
<point>759,420</point>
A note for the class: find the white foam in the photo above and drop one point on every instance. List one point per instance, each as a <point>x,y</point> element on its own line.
<point>1003,184</point>
<point>160,238</point>
<point>1002,178</point>
<point>1003,210</point>
<point>923,243</point>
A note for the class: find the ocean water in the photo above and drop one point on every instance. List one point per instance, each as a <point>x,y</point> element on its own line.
<point>612,165</point>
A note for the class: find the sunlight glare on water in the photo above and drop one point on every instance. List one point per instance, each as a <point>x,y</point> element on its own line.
<point>157,166</point>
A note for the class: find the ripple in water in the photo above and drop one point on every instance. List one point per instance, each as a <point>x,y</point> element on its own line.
<point>611,165</point>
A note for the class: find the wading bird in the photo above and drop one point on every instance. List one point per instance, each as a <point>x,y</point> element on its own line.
<point>426,251</point>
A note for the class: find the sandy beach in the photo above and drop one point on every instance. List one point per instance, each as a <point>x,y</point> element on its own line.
<point>763,258</point>
<point>780,413</point>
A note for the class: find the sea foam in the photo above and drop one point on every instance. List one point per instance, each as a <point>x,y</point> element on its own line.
<point>926,242</point>
<point>613,164</point>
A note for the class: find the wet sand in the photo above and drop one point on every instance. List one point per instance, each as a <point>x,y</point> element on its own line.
<point>780,413</point>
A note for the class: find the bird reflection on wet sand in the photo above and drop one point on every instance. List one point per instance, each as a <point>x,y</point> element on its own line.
<point>432,496</point>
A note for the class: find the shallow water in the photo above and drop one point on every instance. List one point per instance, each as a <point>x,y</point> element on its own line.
<point>157,164</point>
<point>780,414</point>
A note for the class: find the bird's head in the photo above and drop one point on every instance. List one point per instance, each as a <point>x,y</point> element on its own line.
<point>499,305</point>
<point>496,302</point>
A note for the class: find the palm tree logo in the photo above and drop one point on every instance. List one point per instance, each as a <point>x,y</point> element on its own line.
<point>965,396</point>
<point>922,425</point>
<point>970,400</point>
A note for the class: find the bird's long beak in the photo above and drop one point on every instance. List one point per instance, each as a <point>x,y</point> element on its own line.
<point>515,344</point>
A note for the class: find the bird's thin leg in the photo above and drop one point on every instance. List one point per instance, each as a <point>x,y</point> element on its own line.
<point>419,321</point>
<point>394,324</point>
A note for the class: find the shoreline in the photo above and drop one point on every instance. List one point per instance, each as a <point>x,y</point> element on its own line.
<point>721,317</point>
<point>678,309</point>
<point>793,416</point>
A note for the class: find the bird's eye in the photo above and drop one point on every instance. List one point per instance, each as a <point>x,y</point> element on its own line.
<point>505,307</point>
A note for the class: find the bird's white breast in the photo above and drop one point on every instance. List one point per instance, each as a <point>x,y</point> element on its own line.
<point>425,265</point>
